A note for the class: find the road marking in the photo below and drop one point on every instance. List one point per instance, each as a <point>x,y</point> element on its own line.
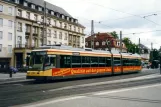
<point>107,82</point>
<point>18,84</point>
<point>128,89</point>
<point>55,101</point>
<point>83,96</point>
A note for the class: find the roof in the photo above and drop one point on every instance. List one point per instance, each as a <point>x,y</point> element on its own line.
<point>50,6</point>
<point>101,36</point>
<point>143,47</point>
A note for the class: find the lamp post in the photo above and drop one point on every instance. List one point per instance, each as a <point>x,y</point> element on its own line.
<point>160,61</point>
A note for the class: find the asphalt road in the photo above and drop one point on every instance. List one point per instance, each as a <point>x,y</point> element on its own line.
<point>28,92</point>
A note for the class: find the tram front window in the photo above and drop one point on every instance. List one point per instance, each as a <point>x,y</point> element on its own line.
<point>37,61</point>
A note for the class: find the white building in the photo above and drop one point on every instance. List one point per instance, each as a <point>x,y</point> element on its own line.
<point>7,19</point>
<point>59,28</point>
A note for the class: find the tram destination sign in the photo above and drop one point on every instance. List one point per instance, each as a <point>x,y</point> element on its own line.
<point>76,53</point>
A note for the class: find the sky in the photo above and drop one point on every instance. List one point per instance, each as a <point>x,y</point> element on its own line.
<point>135,18</point>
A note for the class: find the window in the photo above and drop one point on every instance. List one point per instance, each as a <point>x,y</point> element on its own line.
<point>9,48</point>
<point>67,18</point>
<point>70,27</point>
<point>19,12</point>
<point>97,43</point>
<point>74,28</point>
<point>55,34</point>
<point>54,42</point>
<point>1,8</point>
<point>78,29</point>
<point>52,13</point>
<point>65,25</point>
<point>82,39</point>
<point>102,61</point>
<point>94,61</point>
<point>103,43</point>
<point>48,21</point>
<point>28,15</point>
<point>49,32</point>
<point>86,43</point>
<point>35,29</point>
<point>65,61</point>
<point>60,24</point>
<point>40,8</point>
<point>42,18</point>
<point>35,17</point>
<point>9,36</point>
<point>19,40</point>
<point>62,16</point>
<point>1,35</point>
<point>10,10</point>
<point>10,23</point>
<point>1,22</point>
<point>33,6</point>
<point>82,30</point>
<point>117,62</point>
<point>76,61</point>
<point>86,61</point>
<point>55,22</point>
<point>60,43</point>
<point>17,1</point>
<point>49,42</point>
<point>25,3</point>
<point>19,26</point>
<point>66,36</point>
<point>60,35</point>
<point>0,47</point>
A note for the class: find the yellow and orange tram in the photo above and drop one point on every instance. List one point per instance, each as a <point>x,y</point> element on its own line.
<point>51,62</point>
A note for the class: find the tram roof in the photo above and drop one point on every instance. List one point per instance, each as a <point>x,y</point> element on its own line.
<point>85,51</point>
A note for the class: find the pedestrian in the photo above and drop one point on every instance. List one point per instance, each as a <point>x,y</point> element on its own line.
<point>10,72</point>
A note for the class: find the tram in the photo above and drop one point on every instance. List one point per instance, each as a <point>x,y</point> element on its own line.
<point>57,62</point>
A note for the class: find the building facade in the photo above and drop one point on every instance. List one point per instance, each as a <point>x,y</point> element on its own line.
<point>40,23</point>
<point>104,41</point>
<point>7,33</point>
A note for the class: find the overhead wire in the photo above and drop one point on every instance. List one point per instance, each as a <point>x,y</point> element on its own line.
<point>125,13</point>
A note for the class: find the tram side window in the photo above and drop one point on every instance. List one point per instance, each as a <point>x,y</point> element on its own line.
<point>102,61</point>
<point>86,61</point>
<point>76,61</point>
<point>65,61</point>
<point>50,61</point>
<point>94,61</point>
<point>117,62</point>
<point>108,62</point>
<point>138,62</point>
<point>124,62</point>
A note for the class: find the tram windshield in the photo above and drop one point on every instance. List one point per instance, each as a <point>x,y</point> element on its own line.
<point>37,60</point>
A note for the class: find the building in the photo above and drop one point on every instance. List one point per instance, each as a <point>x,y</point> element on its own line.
<point>144,52</point>
<point>40,23</point>
<point>104,41</point>
<point>7,32</point>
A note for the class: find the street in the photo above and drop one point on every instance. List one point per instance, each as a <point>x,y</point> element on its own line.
<point>20,93</point>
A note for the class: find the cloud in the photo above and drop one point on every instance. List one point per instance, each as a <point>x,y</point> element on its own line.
<point>106,11</point>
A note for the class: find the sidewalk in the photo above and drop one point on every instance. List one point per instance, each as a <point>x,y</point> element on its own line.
<point>17,76</point>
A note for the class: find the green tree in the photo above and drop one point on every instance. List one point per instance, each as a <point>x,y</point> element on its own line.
<point>131,47</point>
<point>114,34</point>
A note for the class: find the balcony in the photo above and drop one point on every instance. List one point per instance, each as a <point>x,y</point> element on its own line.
<point>22,46</point>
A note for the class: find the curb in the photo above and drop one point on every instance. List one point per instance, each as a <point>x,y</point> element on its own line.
<point>12,81</point>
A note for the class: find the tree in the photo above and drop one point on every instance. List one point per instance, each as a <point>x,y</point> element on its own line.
<point>114,34</point>
<point>131,47</point>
